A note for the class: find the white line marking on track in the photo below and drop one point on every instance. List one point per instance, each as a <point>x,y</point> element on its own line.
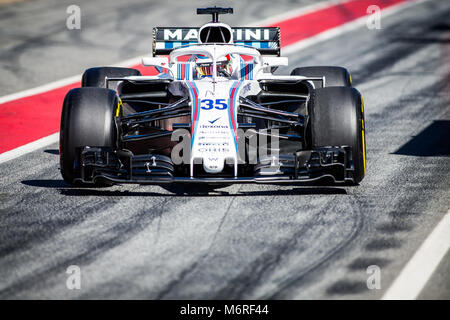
<point>40,89</point>
<point>60,83</point>
<point>29,147</point>
<point>414,276</point>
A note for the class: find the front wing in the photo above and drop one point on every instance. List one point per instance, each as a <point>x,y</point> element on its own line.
<point>122,166</point>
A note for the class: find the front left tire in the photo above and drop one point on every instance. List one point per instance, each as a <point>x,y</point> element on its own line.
<point>337,119</point>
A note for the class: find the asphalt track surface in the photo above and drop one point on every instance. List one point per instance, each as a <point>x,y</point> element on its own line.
<point>242,241</point>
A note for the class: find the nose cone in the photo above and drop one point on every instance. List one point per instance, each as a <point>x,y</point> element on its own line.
<point>213,164</point>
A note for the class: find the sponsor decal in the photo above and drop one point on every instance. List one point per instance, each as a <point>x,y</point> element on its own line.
<point>213,144</point>
<point>257,146</point>
<point>215,150</point>
<point>212,122</point>
<point>239,34</point>
<point>216,126</point>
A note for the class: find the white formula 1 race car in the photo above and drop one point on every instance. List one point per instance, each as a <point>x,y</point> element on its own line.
<point>215,114</point>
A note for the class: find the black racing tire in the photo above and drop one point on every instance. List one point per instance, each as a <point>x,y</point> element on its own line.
<point>337,119</point>
<point>334,76</point>
<point>95,77</point>
<point>87,119</point>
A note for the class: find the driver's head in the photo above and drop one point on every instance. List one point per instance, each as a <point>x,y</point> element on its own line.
<point>205,66</point>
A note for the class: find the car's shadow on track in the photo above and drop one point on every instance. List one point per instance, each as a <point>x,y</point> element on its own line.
<point>430,142</point>
<point>214,193</point>
<point>181,191</point>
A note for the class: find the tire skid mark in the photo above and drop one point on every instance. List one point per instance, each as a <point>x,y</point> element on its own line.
<point>192,267</point>
<point>22,232</point>
<point>339,250</point>
<point>260,269</point>
<point>402,215</point>
<point>122,231</point>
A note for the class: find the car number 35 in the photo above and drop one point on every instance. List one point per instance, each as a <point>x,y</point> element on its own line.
<point>208,104</point>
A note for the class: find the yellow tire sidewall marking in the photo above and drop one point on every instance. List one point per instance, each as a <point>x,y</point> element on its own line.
<point>119,106</point>
<point>363,136</point>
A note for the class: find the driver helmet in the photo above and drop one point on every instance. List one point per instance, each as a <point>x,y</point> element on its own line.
<point>204,66</point>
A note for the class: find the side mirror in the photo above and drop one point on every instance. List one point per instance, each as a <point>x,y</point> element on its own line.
<point>268,62</point>
<point>161,62</point>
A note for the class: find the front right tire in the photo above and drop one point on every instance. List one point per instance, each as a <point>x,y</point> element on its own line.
<point>87,119</point>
